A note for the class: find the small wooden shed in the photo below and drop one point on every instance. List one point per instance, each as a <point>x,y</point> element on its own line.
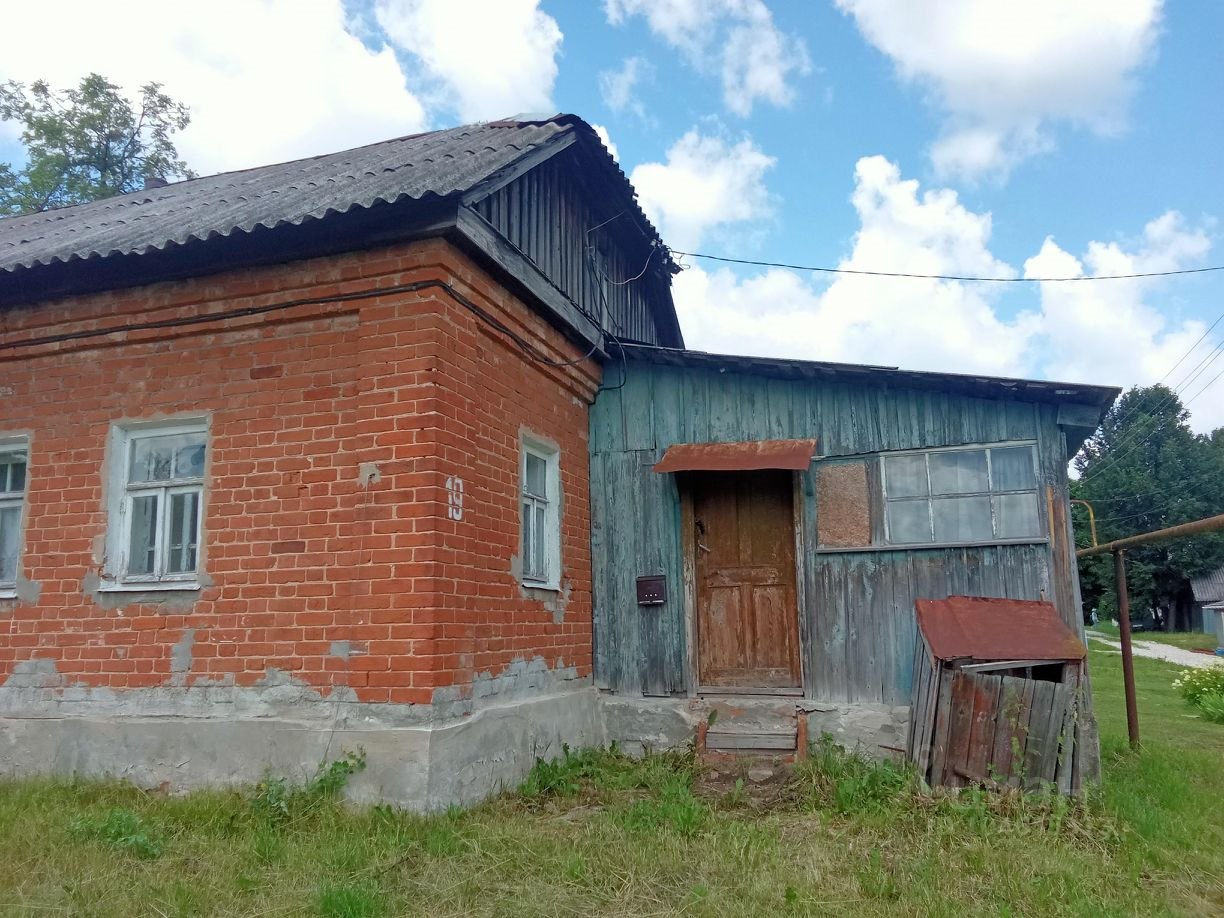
<point>997,694</point>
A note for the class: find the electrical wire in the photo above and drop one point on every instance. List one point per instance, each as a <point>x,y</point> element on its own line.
<point>948,277</point>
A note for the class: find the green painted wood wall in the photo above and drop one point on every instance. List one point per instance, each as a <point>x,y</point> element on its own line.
<point>857,616</point>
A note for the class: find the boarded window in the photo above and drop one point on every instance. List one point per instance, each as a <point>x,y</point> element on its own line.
<point>843,513</point>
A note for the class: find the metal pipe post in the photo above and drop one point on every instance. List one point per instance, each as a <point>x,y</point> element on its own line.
<point>1128,660</point>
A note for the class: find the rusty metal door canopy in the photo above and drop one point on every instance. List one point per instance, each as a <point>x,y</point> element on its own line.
<point>748,455</point>
<point>747,614</point>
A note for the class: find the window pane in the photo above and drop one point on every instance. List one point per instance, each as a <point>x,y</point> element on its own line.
<point>1011,468</point>
<point>908,521</point>
<point>12,473</point>
<point>184,522</point>
<point>529,563</point>
<point>189,461</point>
<point>962,519</point>
<point>10,540</point>
<point>540,531</point>
<point>536,478</point>
<point>958,472</point>
<point>156,458</point>
<point>905,476</point>
<point>1017,516</point>
<point>142,543</point>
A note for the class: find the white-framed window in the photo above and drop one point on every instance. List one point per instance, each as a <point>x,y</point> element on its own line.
<point>959,495</point>
<point>540,474</point>
<point>156,508</point>
<point>14,464</point>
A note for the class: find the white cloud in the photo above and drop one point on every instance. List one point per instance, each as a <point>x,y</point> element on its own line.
<point>917,324</point>
<point>1005,72</point>
<point>266,81</point>
<point>619,87</point>
<point>484,60</point>
<point>1096,332</point>
<point>737,39</point>
<point>706,183</point>
<point>607,140</point>
<point>1110,330</point>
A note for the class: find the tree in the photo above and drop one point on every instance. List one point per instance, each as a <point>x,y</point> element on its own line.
<point>87,143</point>
<point>1145,469</point>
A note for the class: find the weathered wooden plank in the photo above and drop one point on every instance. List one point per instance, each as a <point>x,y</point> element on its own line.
<point>943,725</point>
<point>960,733</point>
<point>1039,734</point>
<point>637,411</point>
<point>1007,730</point>
<point>983,725</point>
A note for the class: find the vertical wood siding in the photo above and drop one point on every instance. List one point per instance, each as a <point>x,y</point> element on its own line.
<point>858,606</point>
<point>547,217</point>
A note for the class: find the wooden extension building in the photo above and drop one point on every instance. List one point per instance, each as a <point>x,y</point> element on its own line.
<point>761,530</point>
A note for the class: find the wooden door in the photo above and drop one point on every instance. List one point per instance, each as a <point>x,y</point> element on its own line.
<point>747,618</point>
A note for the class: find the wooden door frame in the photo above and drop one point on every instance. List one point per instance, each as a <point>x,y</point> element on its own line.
<point>688,550</point>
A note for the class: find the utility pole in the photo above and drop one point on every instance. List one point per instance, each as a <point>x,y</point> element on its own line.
<point>1118,549</point>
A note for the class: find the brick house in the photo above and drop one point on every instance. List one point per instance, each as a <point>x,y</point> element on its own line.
<point>320,456</point>
<point>294,460</point>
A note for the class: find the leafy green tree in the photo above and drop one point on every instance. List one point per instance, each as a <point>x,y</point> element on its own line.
<point>87,143</point>
<point>1145,469</point>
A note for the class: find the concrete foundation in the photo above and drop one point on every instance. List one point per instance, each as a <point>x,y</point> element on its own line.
<point>420,767</point>
<point>639,724</point>
<point>418,760</point>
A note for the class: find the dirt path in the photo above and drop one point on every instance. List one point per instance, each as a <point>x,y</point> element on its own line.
<point>1164,652</point>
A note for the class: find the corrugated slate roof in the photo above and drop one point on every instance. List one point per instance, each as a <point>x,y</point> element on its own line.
<point>419,166</point>
<point>1209,588</point>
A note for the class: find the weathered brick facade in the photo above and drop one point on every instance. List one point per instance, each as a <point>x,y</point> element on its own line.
<point>332,557</point>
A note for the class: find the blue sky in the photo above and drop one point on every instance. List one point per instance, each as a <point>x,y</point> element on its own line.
<point>967,137</point>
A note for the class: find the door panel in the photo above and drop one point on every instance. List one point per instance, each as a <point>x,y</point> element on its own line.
<point>747,619</point>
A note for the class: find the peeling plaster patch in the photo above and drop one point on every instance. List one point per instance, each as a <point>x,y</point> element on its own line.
<point>36,672</point>
<point>522,678</point>
<point>368,474</point>
<point>345,649</point>
<point>180,657</point>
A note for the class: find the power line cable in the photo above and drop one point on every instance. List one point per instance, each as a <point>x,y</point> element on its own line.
<point>948,277</point>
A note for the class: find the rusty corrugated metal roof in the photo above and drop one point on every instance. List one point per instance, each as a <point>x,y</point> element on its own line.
<point>435,165</point>
<point>737,457</point>
<point>978,628</point>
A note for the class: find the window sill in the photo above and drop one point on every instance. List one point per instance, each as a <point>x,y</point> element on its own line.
<point>153,586</point>
<point>7,593</point>
<point>539,585</point>
<point>926,546</point>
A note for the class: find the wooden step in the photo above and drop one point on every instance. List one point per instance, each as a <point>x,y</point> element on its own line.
<point>743,741</point>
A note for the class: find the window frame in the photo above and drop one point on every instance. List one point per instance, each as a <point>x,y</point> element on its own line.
<point>16,445</point>
<point>123,492</point>
<point>989,493</point>
<point>549,578</point>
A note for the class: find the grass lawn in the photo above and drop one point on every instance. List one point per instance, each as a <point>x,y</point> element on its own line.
<point>603,835</point>
<point>1188,640</point>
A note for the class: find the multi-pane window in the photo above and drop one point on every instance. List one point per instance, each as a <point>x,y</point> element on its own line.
<point>540,516</point>
<point>159,528</point>
<point>13,463</point>
<point>962,495</point>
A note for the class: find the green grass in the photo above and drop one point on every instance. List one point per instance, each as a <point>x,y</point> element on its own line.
<point>599,833</point>
<point>1188,640</point>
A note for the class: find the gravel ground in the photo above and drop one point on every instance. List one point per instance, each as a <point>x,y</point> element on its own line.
<point>1162,651</point>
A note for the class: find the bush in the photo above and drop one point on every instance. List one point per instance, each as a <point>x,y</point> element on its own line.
<point>1212,706</point>
<point>1195,683</point>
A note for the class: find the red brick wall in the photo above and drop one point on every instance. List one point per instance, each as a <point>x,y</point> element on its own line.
<point>300,551</point>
